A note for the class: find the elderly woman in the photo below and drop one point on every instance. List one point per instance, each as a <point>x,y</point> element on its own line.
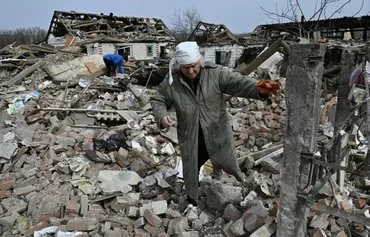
<point>196,90</point>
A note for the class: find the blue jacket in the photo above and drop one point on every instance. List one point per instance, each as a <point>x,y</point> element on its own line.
<point>116,60</point>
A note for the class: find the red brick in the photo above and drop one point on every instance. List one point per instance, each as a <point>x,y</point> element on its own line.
<point>91,66</point>
<point>7,183</point>
<point>5,194</point>
<point>82,224</point>
<point>23,191</point>
<point>39,226</point>
<point>341,234</point>
<point>35,118</point>
<point>72,208</point>
<point>152,218</point>
<point>130,229</point>
<point>122,162</point>
<point>152,230</point>
<point>360,203</point>
<point>238,142</point>
<point>141,233</point>
<point>20,162</point>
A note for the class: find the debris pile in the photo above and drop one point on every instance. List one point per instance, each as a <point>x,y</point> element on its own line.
<point>82,156</point>
<point>81,153</point>
<point>88,26</point>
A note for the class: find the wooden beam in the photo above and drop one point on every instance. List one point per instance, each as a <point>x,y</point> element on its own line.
<point>339,213</point>
<point>262,57</point>
<point>20,76</point>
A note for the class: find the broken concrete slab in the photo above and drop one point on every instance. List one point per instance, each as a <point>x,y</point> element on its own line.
<point>76,68</point>
<point>178,225</point>
<point>112,181</point>
<point>266,230</point>
<point>218,195</point>
<point>158,207</point>
<point>82,224</point>
<point>8,150</point>
<point>237,228</point>
<point>152,218</point>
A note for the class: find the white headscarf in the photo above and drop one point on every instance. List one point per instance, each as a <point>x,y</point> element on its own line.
<point>186,53</point>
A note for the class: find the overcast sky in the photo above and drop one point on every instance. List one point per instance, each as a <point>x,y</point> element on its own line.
<point>238,15</point>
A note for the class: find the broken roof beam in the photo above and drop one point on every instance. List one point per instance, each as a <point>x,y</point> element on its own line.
<point>196,29</point>
<point>70,22</point>
<point>211,33</point>
<point>339,24</point>
<point>88,26</point>
<point>358,218</point>
<point>98,31</point>
<point>67,28</point>
<point>85,24</point>
<point>262,57</point>
<point>39,48</point>
<point>226,35</point>
<point>20,76</point>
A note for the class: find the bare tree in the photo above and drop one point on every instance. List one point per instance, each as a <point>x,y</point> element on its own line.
<point>293,10</point>
<point>184,22</point>
<point>22,36</point>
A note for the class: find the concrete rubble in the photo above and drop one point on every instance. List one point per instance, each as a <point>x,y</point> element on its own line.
<point>76,160</point>
<point>81,155</point>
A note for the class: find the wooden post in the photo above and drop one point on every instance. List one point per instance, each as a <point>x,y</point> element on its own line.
<point>303,90</point>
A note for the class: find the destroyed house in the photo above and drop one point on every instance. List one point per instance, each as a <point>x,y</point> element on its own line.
<point>217,43</point>
<point>137,37</point>
<point>347,28</point>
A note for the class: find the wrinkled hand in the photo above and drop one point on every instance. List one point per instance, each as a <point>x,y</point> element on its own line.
<point>240,176</point>
<point>166,121</point>
<point>268,88</point>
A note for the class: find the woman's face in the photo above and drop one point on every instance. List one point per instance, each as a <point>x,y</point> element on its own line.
<point>190,71</point>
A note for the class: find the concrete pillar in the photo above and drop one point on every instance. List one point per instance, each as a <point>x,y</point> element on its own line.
<point>343,104</point>
<point>367,161</point>
<point>303,90</point>
<point>341,112</point>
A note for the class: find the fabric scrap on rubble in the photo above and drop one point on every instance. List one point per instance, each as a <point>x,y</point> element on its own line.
<point>113,143</point>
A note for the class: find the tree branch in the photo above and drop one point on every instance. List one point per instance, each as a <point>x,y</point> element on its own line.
<point>359,10</point>
<point>278,15</point>
<point>184,22</point>
<point>339,9</point>
<point>300,9</point>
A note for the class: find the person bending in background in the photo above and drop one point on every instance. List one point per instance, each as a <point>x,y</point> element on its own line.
<point>114,64</point>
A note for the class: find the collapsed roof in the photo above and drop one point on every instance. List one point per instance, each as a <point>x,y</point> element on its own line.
<point>207,33</point>
<point>87,25</point>
<point>330,28</point>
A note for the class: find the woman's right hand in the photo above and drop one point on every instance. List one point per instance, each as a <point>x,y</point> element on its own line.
<point>166,121</point>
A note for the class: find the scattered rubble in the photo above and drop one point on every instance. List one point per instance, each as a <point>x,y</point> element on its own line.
<point>82,159</point>
<point>81,155</point>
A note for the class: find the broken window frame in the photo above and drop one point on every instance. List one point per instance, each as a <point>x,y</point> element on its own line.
<point>124,49</point>
<point>150,50</point>
<point>222,57</point>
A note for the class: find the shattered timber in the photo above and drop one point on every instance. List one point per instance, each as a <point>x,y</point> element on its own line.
<point>81,154</point>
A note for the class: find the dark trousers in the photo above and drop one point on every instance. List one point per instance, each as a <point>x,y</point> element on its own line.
<point>203,155</point>
<point>110,67</point>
